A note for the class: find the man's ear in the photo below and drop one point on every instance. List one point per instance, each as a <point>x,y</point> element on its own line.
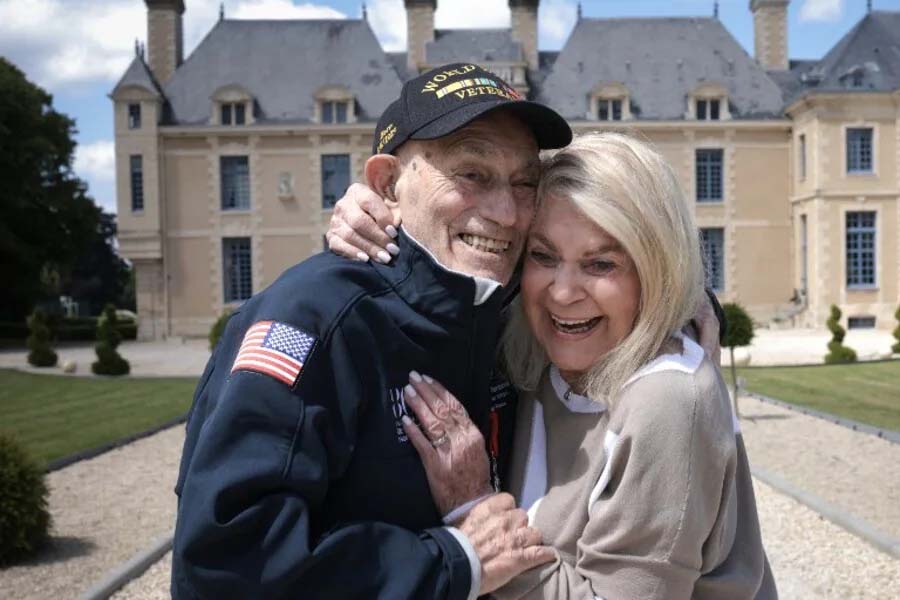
<point>382,172</point>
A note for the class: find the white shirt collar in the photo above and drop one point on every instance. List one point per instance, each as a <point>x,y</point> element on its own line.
<point>574,402</point>
<point>484,287</point>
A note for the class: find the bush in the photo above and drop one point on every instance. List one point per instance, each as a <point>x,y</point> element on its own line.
<point>109,362</point>
<point>837,352</point>
<point>738,332</point>
<point>218,329</point>
<point>896,347</point>
<point>40,354</point>
<point>24,520</point>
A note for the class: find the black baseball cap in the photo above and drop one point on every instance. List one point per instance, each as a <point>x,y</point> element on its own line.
<point>442,100</point>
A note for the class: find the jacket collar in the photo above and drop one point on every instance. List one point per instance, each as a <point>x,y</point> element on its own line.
<point>432,288</point>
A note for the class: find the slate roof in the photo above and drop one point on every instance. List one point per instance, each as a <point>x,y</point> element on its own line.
<point>138,73</point>
<point>869,54</point>
<point>659,60</point>
<point>473,45</point>
<point>283,63</point>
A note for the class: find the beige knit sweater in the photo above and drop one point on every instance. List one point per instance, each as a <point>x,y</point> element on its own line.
<point>651,498</point>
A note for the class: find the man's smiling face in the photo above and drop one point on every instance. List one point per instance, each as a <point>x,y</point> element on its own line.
<point>469,197</point>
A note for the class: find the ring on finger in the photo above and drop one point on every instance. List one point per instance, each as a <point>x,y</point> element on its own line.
<point>440,441</point>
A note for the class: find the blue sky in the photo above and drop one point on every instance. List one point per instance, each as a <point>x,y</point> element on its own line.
<point>77,49</point>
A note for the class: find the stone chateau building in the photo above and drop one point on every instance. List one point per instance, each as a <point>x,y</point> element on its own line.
<point>228,161</point>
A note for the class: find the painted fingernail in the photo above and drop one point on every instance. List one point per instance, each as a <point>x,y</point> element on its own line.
<point>391,231</point>
<point>409,391</point>
<point>427,378</point>
<point>384,256</point>
<point>362,256</point>
<point>406,420</point>
<point>415,376</point>
<point>393,249</point>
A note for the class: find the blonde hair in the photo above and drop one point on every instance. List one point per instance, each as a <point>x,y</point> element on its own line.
<point>628,189</point>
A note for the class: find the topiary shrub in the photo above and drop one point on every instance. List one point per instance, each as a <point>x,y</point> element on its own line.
<point>109,362</point>
<point>24,520</point>
<point>896,347</point>
<point>738,332</point>
<point>218,329</point>
<point>837,352</point>
<point>40,354</point>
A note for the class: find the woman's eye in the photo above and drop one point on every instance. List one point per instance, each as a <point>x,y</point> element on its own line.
<point>600,266</point>
<point>542,258</point>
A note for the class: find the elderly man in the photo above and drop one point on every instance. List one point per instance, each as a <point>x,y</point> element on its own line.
<point>297,477</point>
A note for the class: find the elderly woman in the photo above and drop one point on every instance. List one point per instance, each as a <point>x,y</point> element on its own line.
<point>627,455</point>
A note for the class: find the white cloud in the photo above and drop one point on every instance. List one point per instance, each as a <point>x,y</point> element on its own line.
<point>556,19</point>
<point>460,14</point>
<point>821,10</point>
<point>388,21</point>
<point>61,43</point>
<point>284,9</point>
<point>96,161</point>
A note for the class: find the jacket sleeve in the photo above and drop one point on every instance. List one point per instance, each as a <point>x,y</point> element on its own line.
<point>665,499</point>
<point>255,485</point>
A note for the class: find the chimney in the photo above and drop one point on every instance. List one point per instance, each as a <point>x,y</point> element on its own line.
<point>770,35</point>
<point>419,31</point>
<point>523,18</point>
<point>165,37</point>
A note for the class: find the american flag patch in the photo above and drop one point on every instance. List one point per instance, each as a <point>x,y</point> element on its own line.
<point>274,349</point>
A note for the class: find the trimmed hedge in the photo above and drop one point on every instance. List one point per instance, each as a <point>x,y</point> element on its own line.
<point>24,519</point>
<point>109,362</point>
<point>40,353</point>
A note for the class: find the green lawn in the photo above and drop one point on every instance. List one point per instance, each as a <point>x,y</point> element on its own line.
<point>56,416</point>
<point>865,392</point>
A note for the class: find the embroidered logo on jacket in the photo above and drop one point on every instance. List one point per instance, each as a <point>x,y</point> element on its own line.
<point>399,408</point>
<point>275,349</point>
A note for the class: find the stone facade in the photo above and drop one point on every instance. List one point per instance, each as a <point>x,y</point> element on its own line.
<point>419,31</point>
<point>783,215</point>
<point>770,33</point>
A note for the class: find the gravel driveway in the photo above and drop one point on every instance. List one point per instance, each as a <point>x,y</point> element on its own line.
<point>105,510</point>
<point>812,559</point>
<point>100,520</point>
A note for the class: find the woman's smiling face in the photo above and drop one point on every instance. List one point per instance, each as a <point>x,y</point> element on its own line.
<point>580,289</point>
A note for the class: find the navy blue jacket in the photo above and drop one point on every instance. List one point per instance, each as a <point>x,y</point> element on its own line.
<point>312,490</point>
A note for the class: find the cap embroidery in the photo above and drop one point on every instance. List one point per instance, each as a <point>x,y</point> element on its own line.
<point>386,135</point>
<point>434,83</point>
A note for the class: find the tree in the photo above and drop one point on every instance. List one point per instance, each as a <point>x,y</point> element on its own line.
<point>218,328</point>
<point>109,362</point>
<point>100,276</point>
<point>40,354</point>
<point>738,332</point>
<point>46,217</point>
<point>837,351</point>
<point>896,347</point>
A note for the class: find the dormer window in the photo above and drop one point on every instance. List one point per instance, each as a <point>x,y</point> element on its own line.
<point>334,111</point>
<point>232,105</point>
<point>609,110</point>
<point>234,113</point>
<point>708,110</point>
<point>610,102</point>
<point>334,105</point>
<point>708,102</point>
